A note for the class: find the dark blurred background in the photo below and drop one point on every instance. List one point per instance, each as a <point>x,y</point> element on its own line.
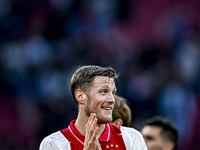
<point>154,44</point>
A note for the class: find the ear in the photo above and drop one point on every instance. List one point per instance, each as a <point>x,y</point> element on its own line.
<point>118,122</point>
<point>169,146</point>
<point>80,96</point>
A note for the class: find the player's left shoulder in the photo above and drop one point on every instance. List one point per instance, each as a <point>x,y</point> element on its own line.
<point>133,139</point>
<point>131,133</point>
<point>129,129</point>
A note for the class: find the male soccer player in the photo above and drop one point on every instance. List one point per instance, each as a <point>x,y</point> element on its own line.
<point>93,89</point>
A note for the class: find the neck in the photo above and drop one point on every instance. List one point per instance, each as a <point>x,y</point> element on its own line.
<point>81,122</point>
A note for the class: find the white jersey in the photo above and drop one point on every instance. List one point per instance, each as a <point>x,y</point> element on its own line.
<point>113,138</point>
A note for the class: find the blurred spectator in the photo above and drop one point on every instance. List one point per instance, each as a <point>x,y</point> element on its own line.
<point>121,113</point>
<point>160,133</point>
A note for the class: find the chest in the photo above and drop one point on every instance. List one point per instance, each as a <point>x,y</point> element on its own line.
<point>113,144</point>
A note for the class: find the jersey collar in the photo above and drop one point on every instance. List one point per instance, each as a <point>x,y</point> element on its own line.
<point>105,137</point>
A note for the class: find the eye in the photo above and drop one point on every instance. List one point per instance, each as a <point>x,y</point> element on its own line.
<point>149,138</point>
<point>104,91</point>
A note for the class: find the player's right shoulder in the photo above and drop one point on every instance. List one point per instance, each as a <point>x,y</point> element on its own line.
<point>55,141</point>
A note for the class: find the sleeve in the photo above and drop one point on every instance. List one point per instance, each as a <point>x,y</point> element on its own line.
<point>133,139</point>
<point>55,141</point>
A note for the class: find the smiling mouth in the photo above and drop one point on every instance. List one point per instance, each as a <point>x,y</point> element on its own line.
<point>107,108</point>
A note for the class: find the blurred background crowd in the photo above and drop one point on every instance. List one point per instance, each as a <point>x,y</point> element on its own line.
<point>153,44</point>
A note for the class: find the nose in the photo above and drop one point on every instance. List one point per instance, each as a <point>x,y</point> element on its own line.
<point>111,98</point>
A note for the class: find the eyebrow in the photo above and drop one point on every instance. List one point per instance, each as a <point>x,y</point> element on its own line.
<point>106,86</point>
<point>148,137</point>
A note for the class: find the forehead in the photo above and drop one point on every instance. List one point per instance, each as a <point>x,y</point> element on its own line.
<point>153,131</point>
<point>103,81</point>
